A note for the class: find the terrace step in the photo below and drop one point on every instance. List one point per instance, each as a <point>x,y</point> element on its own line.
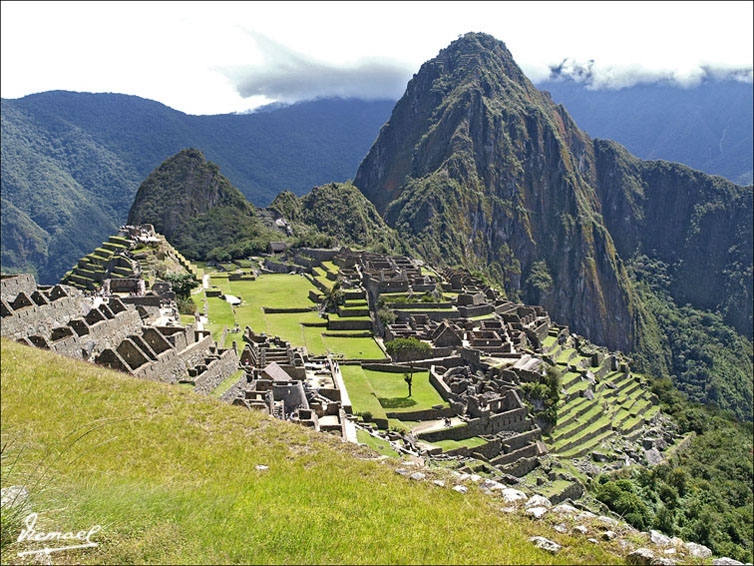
<point>567,432</point>
<point>579,440</point>
<point>573,379</point>
<point>565,408</point>
<point>589,446</point>
<point>583,409</point>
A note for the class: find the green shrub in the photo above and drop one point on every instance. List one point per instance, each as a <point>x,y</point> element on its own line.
<point>404,349</point>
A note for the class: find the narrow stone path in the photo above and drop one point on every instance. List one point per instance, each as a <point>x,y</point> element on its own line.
<point>436,424</point>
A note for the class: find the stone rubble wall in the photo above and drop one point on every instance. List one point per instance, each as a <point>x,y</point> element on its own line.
<point>346,324</point>
<point>527,451</point>
<point>573,492</point>
<point>522,467</point>
<point>514,419</point>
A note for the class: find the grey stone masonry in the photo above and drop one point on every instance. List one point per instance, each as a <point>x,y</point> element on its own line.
<point>108,331</point>
<point>12,285</point>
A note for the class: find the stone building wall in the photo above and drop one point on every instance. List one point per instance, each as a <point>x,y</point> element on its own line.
<point>12,285</point>
<point>218,370</point>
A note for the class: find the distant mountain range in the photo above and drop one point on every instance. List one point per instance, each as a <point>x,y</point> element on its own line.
<point>72,162</point>
<point>709,127</point>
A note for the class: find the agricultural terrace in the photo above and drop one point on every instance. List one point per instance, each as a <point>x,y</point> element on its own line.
<point>619,407</point>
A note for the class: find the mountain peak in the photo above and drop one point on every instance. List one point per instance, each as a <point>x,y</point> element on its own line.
<point>195,207</point>
<point>473,151</point>
<point>476,52</point>
<point>477,42</point>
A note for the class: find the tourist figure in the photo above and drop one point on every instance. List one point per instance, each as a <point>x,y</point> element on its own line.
<point>409,380</point>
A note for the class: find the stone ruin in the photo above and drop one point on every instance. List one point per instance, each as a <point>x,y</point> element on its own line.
<point>111,332</point>
<point>488,401</point>
<point>483,347</point>
<point>290,385</point>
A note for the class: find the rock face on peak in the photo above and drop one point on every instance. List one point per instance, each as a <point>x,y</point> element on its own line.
<point>478,167</point>
<point>197,209</point>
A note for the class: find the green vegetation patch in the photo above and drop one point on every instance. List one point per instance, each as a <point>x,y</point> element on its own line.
<point>354,348</point>
<point>331,267</point>
<point>471,442</point>
<point>227,383</point>
<point>388,385</point>
<point>220,316</point>
<point>315,503</point>
<point>397,402</point>
<point>380,444</point>
<point>363,398</point>
<point>275,291</point>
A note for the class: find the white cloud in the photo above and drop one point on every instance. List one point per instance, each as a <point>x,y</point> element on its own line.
<point>288,76</point>
<point>195,56</point>
<point>597,76</point>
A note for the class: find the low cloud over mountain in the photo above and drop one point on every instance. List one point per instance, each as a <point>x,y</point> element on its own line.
<point>597,76</point>
<point>289,76</point>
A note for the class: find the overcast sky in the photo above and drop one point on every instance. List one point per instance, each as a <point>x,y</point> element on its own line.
<point>211,58</point>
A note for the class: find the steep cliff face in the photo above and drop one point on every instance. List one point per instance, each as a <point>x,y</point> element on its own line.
<point>698,224</point>
<point>196,208</point>
<point>476,166</point>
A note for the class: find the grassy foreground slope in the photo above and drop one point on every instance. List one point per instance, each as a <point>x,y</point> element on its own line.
<point>171,478</point>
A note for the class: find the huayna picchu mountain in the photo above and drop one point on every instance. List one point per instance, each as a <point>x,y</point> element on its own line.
<point>478,167</point>
<point>197,209</point>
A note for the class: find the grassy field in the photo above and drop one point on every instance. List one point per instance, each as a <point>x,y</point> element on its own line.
<point>366,389</point>
<point>274,290</point>
<point>354,348</point>
<point>220,280</point>
<point>279,291</point>
<point>363,398</point>
<point>171,478</point>
<point>220,316</point>
<point>387,385</point>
